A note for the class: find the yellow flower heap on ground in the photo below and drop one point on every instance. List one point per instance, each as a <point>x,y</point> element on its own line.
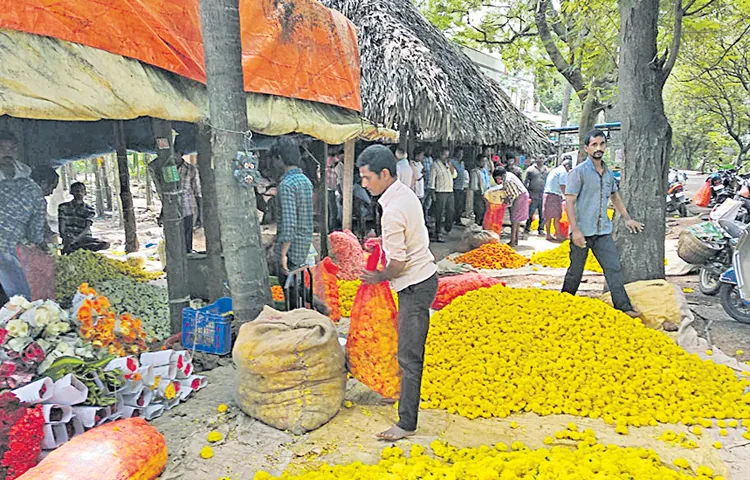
<point>347,292</point>
<point>590,460</point>
<point>496,351</point>
<point>560,258</point>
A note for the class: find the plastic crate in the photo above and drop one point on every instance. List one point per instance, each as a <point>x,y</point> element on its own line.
<point>207,328</point>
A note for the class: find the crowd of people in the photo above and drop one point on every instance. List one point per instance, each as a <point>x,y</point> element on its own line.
<point>496,188</point>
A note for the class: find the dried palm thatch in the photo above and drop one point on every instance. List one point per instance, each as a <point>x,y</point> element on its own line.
<point>413,77</point>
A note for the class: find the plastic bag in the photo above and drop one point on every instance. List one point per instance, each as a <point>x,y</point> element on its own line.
<point>475,237</point>
<point>325,286</point>
<point>703,195</point>
<point>564,224</point>
<point>450,288</point>
<point>40,271</point>
<point>349,254</point>
<point>372,345</point>
<point>122,450</point>
<point>290,369</point>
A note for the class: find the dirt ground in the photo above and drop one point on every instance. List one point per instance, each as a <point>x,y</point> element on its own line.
<point>249,445</point>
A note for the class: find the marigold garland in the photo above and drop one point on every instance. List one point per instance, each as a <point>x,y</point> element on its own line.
<point>493,256</point>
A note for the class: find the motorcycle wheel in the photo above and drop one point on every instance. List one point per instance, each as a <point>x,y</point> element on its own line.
<point>732,304</point>
<point>708,282</point>
<point>683,211</point>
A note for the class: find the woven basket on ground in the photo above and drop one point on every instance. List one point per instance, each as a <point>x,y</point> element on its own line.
<point>694,250</point>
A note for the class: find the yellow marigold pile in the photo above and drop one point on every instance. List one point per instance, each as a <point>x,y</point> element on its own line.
<point>560,258</point>
<point>497,351</point>
<point>347,292</point>
<point>493,256</point>
<point>589,460</point>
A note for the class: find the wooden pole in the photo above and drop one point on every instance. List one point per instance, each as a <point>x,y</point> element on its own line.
<point>126,198</point>
<point>149,201</point>
<point>324,224</point>
<point>99,189</point>
<point>164,172</point>
<point>106,185</point>
<point>348,183</point>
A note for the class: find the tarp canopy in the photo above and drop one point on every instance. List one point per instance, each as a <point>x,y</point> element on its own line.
<point>44,79</point>
<point>290,48</point>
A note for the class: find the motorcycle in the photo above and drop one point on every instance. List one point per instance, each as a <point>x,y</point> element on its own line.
<point>676,199</point>
<point>709,278</point>
<point>734,292</point>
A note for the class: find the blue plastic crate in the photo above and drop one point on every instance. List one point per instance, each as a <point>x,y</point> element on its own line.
<point>207,328</point>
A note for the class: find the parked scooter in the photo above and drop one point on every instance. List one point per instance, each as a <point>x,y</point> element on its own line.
<point>676,199</point>
<point>735,291</point>
<point>710,273</point>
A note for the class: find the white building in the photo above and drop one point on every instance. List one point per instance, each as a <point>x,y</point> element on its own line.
<point>520,88</point>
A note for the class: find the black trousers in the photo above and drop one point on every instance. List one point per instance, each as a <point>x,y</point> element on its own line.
<point>460,205</point>
<point>413,324</point>
<point>443,211</point>
<point>535,206</point>
<point>187,225</point>
<point>606,253</point>
<point>480,207</point>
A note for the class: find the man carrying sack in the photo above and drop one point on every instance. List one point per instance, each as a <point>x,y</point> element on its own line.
<point>412,272</point>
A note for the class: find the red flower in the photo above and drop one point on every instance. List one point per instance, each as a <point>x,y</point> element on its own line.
<point>7,369</point>
<point>24,443</point>
<point>3,335</point>
<point>33,353</point>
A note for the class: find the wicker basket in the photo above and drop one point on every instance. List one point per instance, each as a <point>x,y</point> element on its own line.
<point>694,250</point>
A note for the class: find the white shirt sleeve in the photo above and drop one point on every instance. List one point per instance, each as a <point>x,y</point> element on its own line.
<point>404,172</point>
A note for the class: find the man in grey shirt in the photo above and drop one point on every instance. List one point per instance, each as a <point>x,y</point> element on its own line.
<point>590,185</point>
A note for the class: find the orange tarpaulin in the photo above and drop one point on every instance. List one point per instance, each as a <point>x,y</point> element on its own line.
<point>290,48</point>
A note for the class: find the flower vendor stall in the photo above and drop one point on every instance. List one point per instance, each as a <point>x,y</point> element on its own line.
<point>70,371</point>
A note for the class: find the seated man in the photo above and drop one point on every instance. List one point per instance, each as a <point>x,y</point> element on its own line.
<point>76,218</point>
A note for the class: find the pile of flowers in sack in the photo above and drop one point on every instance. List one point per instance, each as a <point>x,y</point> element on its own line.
<point>72,372</point>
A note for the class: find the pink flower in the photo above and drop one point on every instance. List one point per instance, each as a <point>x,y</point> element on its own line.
<point>33,353</point>
<point>3,335</point>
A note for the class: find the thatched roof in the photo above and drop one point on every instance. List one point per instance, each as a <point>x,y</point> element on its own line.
<point>413,76</point>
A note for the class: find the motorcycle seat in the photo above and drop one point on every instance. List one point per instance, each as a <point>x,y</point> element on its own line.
<point>733,228</point>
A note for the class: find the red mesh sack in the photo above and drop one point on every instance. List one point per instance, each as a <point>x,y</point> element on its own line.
<point>325,286</point>
<point>703,196</point>
<point>40,271</point>
<point>122,450</point>
<point>349,254</point>
<point>452,287</point>
<point>372,345</point>
<point>564,224</point>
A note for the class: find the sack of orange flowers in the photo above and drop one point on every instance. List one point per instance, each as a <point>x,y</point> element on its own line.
<point>325,286</point>
<point>126,449</point>
<point>290,369</point>
<point>450,288</point>
<point>372,345</point>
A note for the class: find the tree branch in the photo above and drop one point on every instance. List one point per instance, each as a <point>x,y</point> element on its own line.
<point>571,74</point>
<point>676,37</point>
<point>697,10</point>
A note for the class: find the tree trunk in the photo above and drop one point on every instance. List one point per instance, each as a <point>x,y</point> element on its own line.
<point>126,198</point>
<point>566,104</point>
<point>647,139</point>
<point>149,200</point>
<point>98,179</point>
<point>244,255</point>
<point>107,187</point>
<point>324,224</point>
<point>587,121</point>
<point>174,235</point>
<point>211,227</point>
<point>115,181</point>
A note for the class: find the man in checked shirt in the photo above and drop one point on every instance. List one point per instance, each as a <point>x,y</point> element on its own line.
<point>295,223</point>
<point>190,185</point>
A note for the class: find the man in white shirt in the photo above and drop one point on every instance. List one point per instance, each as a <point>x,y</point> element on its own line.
<point>412,272</point>
<point>417,168</point>
<point>403,168</point>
